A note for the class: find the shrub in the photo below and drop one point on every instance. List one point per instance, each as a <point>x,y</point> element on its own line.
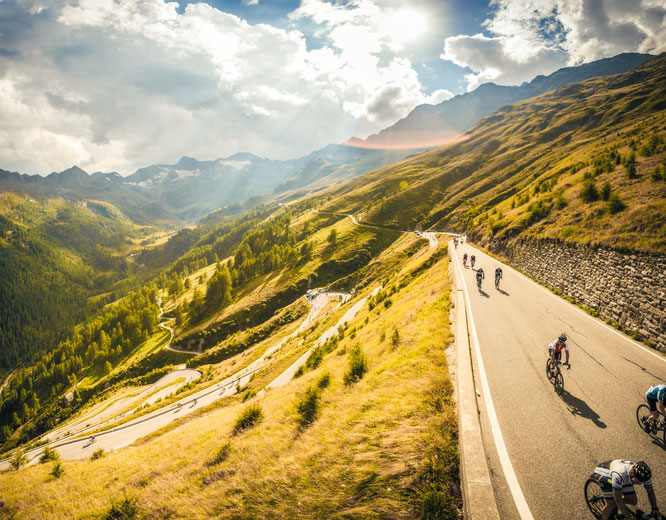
<point>324,381</point>
<point>125,509</point>
<point>248,418</point>
<point>656,174</point>
<point>221,455</point>
<point>49,454</point>
<point>57,470</point>
<point>560,202</point>
<point>358,366</point>
<point>437,505</point>
<point>606,191</point>
<point>249,394</point>
<point>308,406</point>
<point>615,204</point>
<point>395,337</point>
<point>97,454</point>
<point>18,459</point>
<point>631,171</point>
<point>589,193</point>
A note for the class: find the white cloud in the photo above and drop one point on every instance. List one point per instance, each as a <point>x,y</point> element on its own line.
<point>115,85</point>
<point>530,37</point>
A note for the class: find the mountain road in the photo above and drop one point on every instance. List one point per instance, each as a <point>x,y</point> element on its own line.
<point>542,447</point>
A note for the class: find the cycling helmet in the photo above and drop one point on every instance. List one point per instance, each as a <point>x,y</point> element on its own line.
<point>563,337</point>
<point>642,471</point>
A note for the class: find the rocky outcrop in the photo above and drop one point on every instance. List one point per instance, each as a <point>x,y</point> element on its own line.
<point>626,287</point>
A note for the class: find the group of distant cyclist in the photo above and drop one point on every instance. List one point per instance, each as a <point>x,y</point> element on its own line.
<point>616,478</point>
<point>481,275</point>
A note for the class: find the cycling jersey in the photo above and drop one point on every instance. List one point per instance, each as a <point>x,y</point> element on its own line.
<point>657,392</point>
<point>498,273</point>
<point>558,346</point>
<point>614,475</point>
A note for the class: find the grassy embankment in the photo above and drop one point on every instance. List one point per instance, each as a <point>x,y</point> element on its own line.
<point>521,171</point>
<point>382,446</point>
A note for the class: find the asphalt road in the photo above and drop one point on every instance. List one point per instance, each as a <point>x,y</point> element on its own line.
<point>554,443</point>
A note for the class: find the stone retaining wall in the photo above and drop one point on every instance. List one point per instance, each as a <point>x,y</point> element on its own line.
<point>627,287</point>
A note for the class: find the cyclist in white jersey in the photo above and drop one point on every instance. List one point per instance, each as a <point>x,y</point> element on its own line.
<point>617,479</point>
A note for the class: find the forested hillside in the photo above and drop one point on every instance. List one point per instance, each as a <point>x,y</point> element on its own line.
<point>227,279</point>
<point>54,255</point>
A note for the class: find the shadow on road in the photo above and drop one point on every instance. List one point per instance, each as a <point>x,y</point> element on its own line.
<point>483,293</point>
<point>579,407</point>
<point>502,291</point>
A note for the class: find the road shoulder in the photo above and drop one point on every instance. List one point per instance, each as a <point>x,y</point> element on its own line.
<point>478,496</point>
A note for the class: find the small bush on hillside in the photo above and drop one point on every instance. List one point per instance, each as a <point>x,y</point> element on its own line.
<point>615,204</point>
<point>656,174</point>
<point>631,171</point>
<point>395,338</point>
<point>537,211</point>
<point>438,505</point>
<point>248,418</point>
<point>125,509</point>
<point>18,459</point>
<point>221,455</point>
<point>249,394</point>
<point>606,191</point>
<point>324,380</point>
<point>560,202</point>
<point>57,471</point>
<point>49,454</point>
<point>308,406</point>
<point>97,454</point>
<point>358,366</point>
<point>589,193</point>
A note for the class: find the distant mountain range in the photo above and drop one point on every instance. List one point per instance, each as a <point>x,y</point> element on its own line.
<point>428,126</point>
<point>189,189</point>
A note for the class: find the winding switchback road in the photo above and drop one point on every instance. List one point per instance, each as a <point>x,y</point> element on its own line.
<point>543,447</point>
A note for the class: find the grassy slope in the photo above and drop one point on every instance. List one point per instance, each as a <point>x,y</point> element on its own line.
<point>383,447</point>
<point>518,148</point>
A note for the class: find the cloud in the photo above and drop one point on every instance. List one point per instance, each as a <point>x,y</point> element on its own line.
<point>530,37</point>
<point>118,85</point>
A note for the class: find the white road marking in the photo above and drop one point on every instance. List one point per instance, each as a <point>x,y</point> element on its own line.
<point>505,460</point>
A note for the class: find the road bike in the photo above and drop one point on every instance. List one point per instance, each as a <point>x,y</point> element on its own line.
<point>642,414</point>
<point>594,498</point>
<point>555,376</point>
<point>497,282</point>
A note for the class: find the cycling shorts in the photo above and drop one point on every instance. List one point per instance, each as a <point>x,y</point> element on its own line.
<point>558,355</point>
<point>652,403</point>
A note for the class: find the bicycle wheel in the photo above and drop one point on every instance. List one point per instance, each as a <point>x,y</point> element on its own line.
<point>594,497</point>
<point>549,373</point>
<point>642,413</point>
<point>559,383</point>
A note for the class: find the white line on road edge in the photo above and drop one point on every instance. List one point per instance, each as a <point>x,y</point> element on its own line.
<point>578,309</point>
<point>507,467</point>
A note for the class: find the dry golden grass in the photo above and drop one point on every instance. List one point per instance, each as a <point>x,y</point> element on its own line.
<point>367,455</point>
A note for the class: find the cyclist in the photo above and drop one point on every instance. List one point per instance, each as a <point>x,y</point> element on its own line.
<point>498,276</point>
<point>555,349</point>
<point>480,275</point>
<point>465,259</point>
<point>617,479</point>
<point>473,259</point>
<point>656,398</point>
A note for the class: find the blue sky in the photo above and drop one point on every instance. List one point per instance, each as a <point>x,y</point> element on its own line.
<point>118,85</point>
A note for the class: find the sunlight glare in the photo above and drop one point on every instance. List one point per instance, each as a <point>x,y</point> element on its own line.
<point>406,25</point>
